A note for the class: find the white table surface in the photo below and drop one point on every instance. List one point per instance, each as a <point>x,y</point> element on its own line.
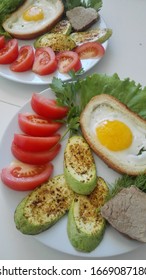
<point>126,55</point>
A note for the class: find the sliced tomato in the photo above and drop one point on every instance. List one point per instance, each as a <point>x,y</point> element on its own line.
<point>2,42</point>
<point>47,107</point>
<point>23,177</point>
<point>35,125</point>
<point>89,50</point>
<point>9,52</point>
<point>68,60</point>
<point>35,144</point>
<point>45,61</point>
<point>33,157</point>
<point>24,61</point>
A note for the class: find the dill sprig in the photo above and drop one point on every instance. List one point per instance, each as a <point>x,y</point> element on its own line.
<point>126,181</point>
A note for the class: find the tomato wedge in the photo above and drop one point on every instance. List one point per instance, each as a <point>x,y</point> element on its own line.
<point>2,42</point>
<point>35,144</point>
<point>9,52</point>
<point>68,60</point>
<point>23,177</point>
<point>47,107</point>
<point>33,157</point>
<point>24,61</point>
<point>35,125</point>
<point>45,61</point>
<point>90,50</point>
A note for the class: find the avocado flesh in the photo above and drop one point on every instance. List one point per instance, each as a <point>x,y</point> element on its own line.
<point>44,206</point>
<point>94,35</point>
<point>85,225</point>
<point>56,41</point>
<point>79,166</point>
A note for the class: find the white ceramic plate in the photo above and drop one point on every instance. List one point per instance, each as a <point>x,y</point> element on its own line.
<point>56,237</point>
<point>31,78</point>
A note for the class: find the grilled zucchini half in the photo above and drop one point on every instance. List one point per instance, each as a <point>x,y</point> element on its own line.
<point>44,206</point>
<point>85,225</point>
<point>63,26</point>
<point>79,166</point>
<point>56,41</point>
<point>93,35</point>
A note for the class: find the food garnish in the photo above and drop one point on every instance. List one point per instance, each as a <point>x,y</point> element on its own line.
<point>70,4</point>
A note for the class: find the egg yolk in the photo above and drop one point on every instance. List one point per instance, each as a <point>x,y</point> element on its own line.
<point>114,135</point>
<point>33,13</point>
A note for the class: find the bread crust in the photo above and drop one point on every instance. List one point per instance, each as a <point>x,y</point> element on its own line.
<point>38,32</point>
<point>99,151</point>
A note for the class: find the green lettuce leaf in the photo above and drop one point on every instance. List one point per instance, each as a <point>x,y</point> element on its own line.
<point>126,91</point>
<point>70,4</point>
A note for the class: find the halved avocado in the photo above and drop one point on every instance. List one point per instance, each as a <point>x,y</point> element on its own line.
<point>79,166</point>
<point>56,41</point>
<point>63,26</point>
<point>44,206</point>
<point>93,35</point>
<point>85,225</point>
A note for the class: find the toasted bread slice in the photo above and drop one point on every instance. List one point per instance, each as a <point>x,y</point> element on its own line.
<point>79,165</point>
<point>85,225</point>
<point>44,206</point>
<point>130,158</point>
<point>29,28</point>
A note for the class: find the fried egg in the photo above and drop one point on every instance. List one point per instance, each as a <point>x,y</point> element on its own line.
<point>115,133</point>
<point>34,18</point>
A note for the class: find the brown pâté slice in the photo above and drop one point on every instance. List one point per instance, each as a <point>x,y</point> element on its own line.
<point>44,206</point>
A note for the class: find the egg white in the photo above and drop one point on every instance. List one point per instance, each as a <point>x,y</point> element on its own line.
<point>130,155</point>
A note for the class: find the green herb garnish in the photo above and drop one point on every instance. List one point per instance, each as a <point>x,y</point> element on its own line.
<point>70,4</point>
<point>126,181</point>
<point>141,151</point>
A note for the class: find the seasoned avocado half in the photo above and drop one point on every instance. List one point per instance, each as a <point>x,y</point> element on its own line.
<point>99,35</point>
<point>56,41</point>
<point>44,206</point>
<point>79,166</point>
<point>85,225</point>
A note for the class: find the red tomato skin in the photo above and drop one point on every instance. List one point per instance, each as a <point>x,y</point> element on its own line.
<point>2,42</point>
<point>24,60</point>
<point>33,157</point>
<point>35,125</point>
<point>90,50</point>
<point>11,178</point>
<point>9,52</point>
<point>34,143</point>
<point>47,107</point>
<point>45,61</point>
<point>68,60</point>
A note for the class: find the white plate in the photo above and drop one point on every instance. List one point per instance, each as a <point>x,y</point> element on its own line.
<point>31,78</point>
<point>56,237</point>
